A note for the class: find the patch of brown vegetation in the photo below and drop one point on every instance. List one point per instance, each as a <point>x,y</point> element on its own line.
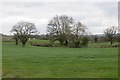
<point>41,44</point>
<point>110,46</point>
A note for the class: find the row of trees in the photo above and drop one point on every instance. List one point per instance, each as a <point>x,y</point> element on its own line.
<point>66,30</point>
<point>111,34</point>
<point>60,28</point>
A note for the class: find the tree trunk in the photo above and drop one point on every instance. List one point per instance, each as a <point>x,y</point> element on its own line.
<point>16,41</point>
<point>24,39</point>
<point>111,42</point>
<point>16,37</point>
<point>66,42</point>
<point>23,44</point>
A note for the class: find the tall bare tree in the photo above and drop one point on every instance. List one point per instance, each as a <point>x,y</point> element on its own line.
<point>24,30</point>
<point>110,32</point>
<point>60,26</point>
<point>78,31</point>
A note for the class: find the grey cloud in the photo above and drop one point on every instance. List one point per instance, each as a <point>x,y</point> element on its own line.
<point>110,8</point>
<point>91,14</point>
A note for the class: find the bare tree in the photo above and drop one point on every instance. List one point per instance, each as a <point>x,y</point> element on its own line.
<point>77,32</point>
<point>110,32</point>
<point>60,26</point>
<point>24,30</point>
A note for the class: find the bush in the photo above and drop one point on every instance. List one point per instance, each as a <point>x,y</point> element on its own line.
<point>41,44</point>
<point>85,41</point>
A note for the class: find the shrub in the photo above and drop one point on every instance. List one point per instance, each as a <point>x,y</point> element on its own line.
<point>85,41</point>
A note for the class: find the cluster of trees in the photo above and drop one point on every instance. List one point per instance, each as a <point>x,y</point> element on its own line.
<point>66,30</point>
<point>63,29</point>
<point>110,35</point>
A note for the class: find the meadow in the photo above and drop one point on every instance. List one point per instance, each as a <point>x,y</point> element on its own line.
<point>0,59</point>
<point>59,62</point>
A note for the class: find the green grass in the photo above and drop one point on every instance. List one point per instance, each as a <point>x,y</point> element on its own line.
<point>0,59</point>
<point>51,62</point>
<point>39,41</point>
<point>101,44</point>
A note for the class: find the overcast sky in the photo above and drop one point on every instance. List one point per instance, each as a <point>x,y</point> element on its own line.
<point>97,16</point>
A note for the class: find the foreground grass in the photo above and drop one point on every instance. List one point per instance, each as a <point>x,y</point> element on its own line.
<point>48,62</point>
<point>0,59</point>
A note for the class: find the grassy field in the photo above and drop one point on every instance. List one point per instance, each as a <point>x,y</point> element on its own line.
<point>58,62</point>
<point>0,59</point>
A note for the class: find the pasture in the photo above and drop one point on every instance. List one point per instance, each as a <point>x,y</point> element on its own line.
<point>59,62</point>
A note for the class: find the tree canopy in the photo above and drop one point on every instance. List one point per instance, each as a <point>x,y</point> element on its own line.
<point>24,29</point>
